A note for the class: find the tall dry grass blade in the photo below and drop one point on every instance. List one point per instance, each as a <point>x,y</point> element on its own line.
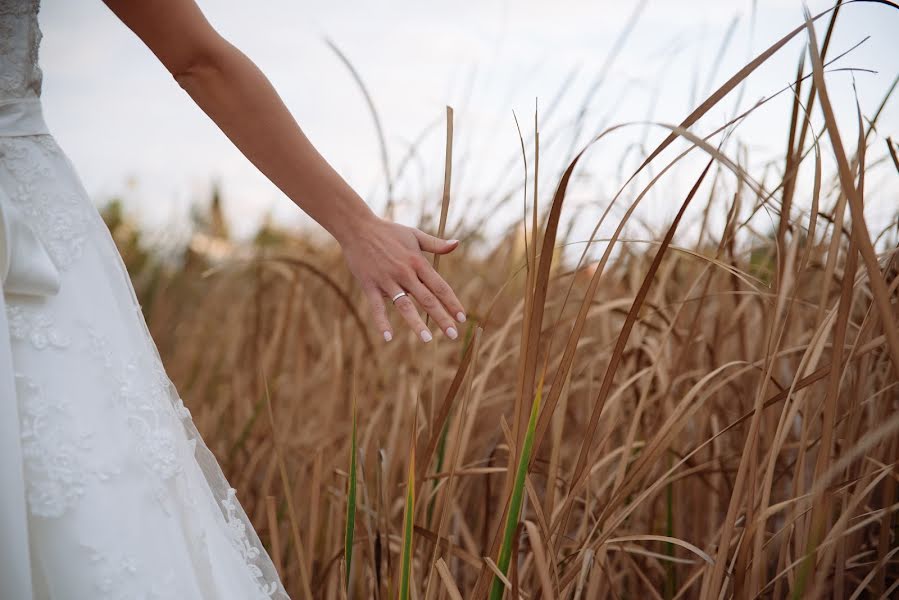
<point>405,575</point>
<point>291,510</point>
<point>821,507</point>
<point>446,577</point>
<point>498,573</point>
<point>605,387</point>
<point>872,122</point>
<point>524,207</point>
<point>447,180</point>
<point>892,150</point>
<point>791,156</point>
<point>350,529</point>
<point>314,508</point>
<point>856,207</point>
<point>271,511</point>
<point>738,77</point>
<point>535,226</point>
<point>527,342</point>
<point>449,486</point>
<point>568,356</point>
<point>444,545</point>
<point>534,323</point>
<point>382,540</point>
<point>441,231</point>
<point>794,151</point>
<point>443,413</point>
<point>540,559</point>
<point>542,530</point>
<point>531,328</point>
<point>793,161</point>
<point>335,287</point>
<point>586,568</point>
<point>379,129</point>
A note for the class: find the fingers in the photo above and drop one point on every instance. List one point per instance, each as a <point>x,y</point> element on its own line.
<point>442,290</point>
<point>422,283</point>
<point>407,309</point>
<point>379,311</point>
<point>429,243</point>
<point>432,305</point>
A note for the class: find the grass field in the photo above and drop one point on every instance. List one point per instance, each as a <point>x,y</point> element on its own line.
<point>684,416</point>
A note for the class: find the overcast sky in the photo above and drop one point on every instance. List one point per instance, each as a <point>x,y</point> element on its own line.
<point>132,132</point>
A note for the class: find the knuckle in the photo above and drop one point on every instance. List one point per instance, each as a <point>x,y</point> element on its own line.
<point>397,268</point>
<point>442,288</point>
<point>419,262</point>
<point>404,304</point>
<point>429,301</point>
<point>405,275</point>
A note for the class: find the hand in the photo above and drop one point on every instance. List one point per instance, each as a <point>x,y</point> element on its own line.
<point>387,259</point>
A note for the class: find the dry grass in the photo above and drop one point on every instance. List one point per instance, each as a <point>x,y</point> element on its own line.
<point>719,419</point>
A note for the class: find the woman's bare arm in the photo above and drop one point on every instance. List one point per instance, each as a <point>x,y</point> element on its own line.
<point>385,257</point>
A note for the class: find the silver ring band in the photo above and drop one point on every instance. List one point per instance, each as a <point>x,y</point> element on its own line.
<point>398,296</point>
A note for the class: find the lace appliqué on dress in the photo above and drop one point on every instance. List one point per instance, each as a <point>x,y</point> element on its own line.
<point>36,327</point>
<point>150,418</point>
<point>237,532</point>
<point>53,457</point>
<point>142,391</point>
<point>60,220</point>
<point>120,578</point>
<point>157,416</point>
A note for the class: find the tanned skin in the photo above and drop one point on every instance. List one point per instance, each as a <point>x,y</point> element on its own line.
<point>385,257</point>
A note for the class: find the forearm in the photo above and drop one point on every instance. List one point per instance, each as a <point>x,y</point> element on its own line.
<point>235,94</point>
<point>384,256</point>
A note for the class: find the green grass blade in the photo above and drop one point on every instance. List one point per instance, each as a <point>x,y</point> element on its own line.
<point>505,551</point>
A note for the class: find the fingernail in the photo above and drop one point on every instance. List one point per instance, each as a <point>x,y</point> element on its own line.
<point>453,241</point>
<point>452,333</point>
<point>460,316</point>
<point>426,336</point>
<point>387,336</point>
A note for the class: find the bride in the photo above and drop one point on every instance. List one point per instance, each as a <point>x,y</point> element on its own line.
<point>106,489</point>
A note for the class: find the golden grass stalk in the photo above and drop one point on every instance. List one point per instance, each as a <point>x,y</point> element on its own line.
<point>350,503</point>
<point>405,578</point>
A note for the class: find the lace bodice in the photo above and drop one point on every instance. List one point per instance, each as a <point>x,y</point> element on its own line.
<point>20,36</point>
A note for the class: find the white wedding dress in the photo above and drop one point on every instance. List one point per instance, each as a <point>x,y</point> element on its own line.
<point>106,489</point>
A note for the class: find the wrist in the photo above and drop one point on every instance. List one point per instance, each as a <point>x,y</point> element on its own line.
<point>352,222</point>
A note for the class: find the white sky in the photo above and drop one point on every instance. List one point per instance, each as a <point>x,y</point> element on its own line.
<point>132,132</point>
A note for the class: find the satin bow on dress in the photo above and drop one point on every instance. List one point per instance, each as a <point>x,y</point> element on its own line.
<point>25,270</point>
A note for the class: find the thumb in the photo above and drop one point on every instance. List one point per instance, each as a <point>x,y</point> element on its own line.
<point>435,245</point>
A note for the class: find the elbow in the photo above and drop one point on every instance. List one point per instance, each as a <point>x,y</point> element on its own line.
<point>194,72</point>
<point>198,65</point>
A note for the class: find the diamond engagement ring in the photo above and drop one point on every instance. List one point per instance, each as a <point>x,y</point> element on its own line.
<point>398,296</point>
